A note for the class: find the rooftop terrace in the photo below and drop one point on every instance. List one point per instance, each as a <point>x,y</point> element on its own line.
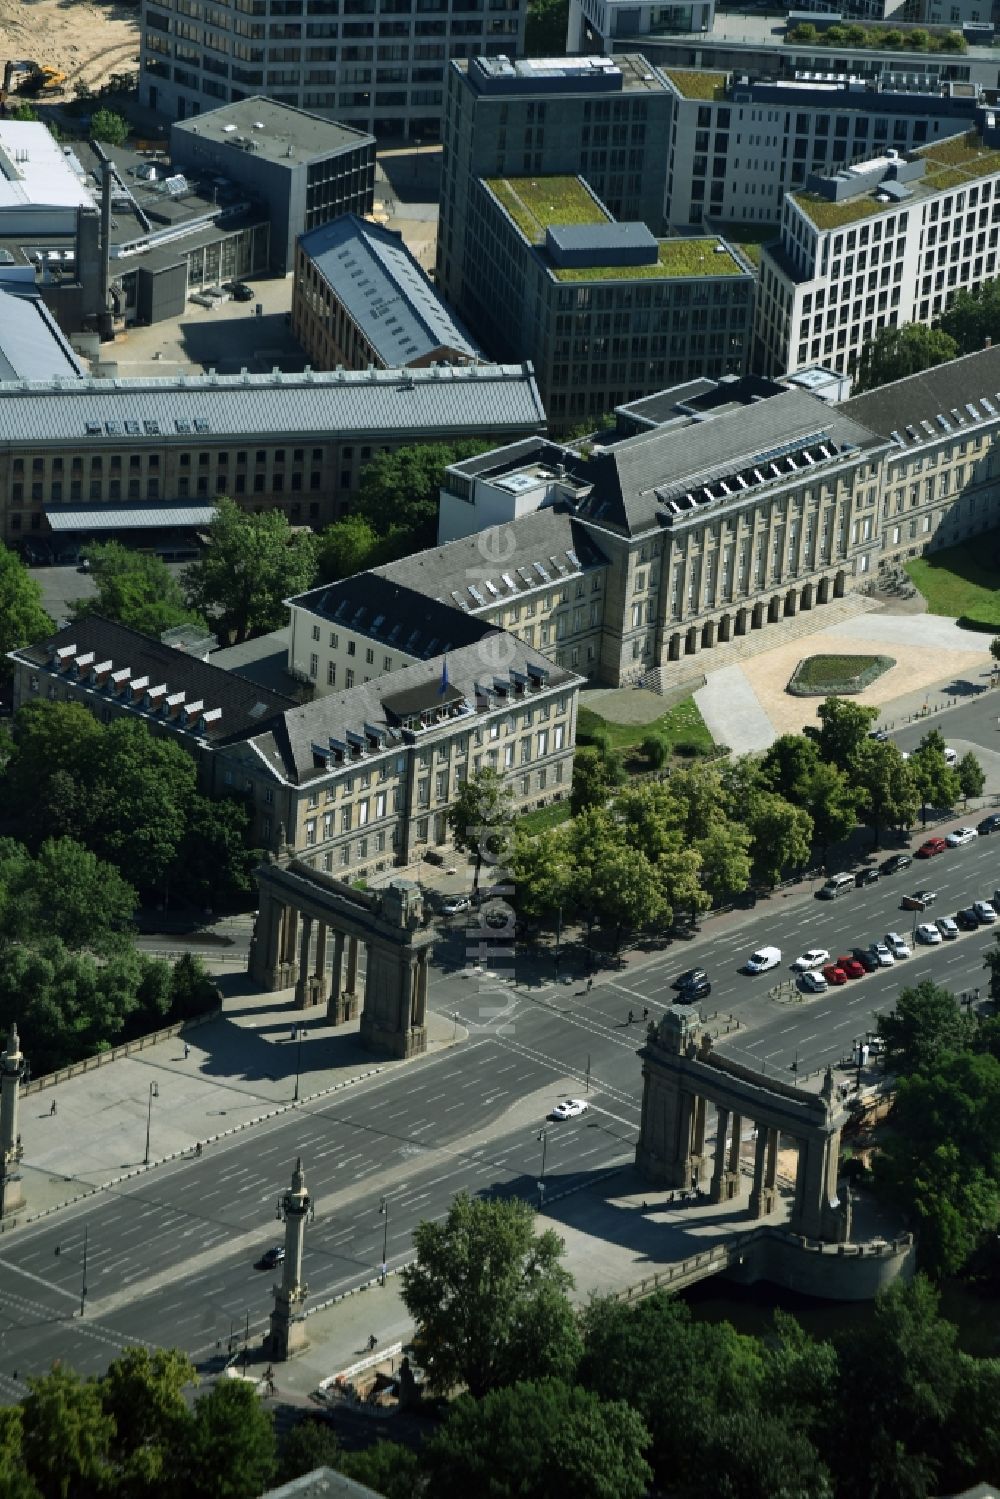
<point>675,258</point>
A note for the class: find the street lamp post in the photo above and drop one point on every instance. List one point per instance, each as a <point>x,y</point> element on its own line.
<point>383,1208</point>
<point>154,1092</point>
<point>544,1139</point>
<point>83,1282</point>
<point>298,1064</point>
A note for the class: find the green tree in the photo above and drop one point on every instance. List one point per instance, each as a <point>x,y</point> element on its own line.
<point>135,589</point>
<point>843,732</point>
<point>481,820</point>
<point>995,647</point>
<point>311,1443</point>
<point>973,317</point>
<point>781,837</point>
<point>757,1456</point>
<point>250,564</point>
<point>352,545</point>
<point>22,618</point>
<point>192,989</point>
<point>656,749</point>
<point>140,790</point>
<point>596,774</point>
<point>887,794</point>
<point>542,873</point>
<point>971,776</point>
<point>41,789</point>
<point>214,862</point>
<point>67,892</point>
<point>229,1450</point>
<point>829,797</point>
<point>925,1026</point>
<point>991,962</point>
<point>656,1357</point>
<point>724,853</point>
<point>143,1394</point>
<point>936,783</point>
<point>616,884</point>
<point>15,1483</point>
<point>789,762</point>
<point>895,353</point>
<point>24,112</point>
<point>536,1440</point>
<point>546,27</point>
<point>939,1165</point>
<point>66,1436</point>
<point>389,1468</point>
<point>400,489</point>
<point>489,1297</point>
<point>107,126</point>
<point>898,1381</point>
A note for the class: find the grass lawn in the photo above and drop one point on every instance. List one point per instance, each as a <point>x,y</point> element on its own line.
<point>962,582</point>
<point>681,723</point>
<point>544,818</point>
<point>823,674</point>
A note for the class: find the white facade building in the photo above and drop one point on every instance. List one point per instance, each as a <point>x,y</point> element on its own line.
<point>886,242</point>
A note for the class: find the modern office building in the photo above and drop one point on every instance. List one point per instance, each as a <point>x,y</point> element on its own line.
<point>362,300</point>
<point>739,142</point>
<point>605,311</point>
<point>885,242</point>
<point>378,68</point>
<point>598,25</point>
<point>359,779</point>
<point>85,457</point>
<point>600,118</point>
<point>305,169</point>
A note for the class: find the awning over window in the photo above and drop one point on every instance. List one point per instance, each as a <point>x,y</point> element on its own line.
<point>127,517</point>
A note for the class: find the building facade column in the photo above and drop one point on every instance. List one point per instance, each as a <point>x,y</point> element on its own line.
<point>718,1171</point>
<point>302,985</point>
<point>698,1141</point>
<point>266,964</point>
<point>319,981</point>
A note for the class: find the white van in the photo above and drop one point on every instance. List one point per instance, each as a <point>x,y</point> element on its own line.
<point>836,885</point>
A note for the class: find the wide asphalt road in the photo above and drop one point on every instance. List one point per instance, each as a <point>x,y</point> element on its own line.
<point>171,1255</point>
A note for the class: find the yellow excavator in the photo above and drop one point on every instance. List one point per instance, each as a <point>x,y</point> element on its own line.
<point>35,78</point>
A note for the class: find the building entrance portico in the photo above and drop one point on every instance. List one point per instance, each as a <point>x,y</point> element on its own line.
<point>308,935</point>
<point>682,1075</point>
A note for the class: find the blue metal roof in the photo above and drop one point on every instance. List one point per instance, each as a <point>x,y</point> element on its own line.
<point>385,291</point>
<point>31,345</point>
<point>346,403</point>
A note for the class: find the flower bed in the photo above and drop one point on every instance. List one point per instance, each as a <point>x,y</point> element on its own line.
<point>825,676</point>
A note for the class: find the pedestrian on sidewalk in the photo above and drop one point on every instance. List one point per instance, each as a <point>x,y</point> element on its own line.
<point>645,1012</point>
<point>187,1051</point>
<point>590,983</point>
<point>631,1017</point>
<point>52,1110</point>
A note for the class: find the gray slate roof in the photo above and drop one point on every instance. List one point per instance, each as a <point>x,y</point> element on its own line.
<point>245,706</point>
<point>410,403</point>
<point>396,616</point>
<point>31,345</point>
<point>924,397</point>
<point>288,745</point>
<point>631,478</point>
<point>547,538</point>
<point>385,290</point>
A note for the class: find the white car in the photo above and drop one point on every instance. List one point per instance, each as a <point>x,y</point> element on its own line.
<point>814,958</point>
<point>950,756</point>
<point>883,954</point>
<point>763,959</point>
<point>984,911</point>
<point>947,928</point>
<point>456,903</point>
<point>570,1108</point>
<point>814,983</point>
<point>928,932</point>
<point>960,836</point>
<point>897,945</point>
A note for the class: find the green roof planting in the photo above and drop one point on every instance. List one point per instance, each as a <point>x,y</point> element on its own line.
<point>676,258</point>
<point>826,214</point>
<point>535,203</point>
<point>961,153</point>
<point>693,84</point>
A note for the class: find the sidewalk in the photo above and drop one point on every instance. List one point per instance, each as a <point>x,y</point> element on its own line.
<point>240,1067</point>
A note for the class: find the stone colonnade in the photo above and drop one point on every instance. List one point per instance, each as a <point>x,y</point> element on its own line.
<point>744,618</point>
<point>309,933</point>
<point>682,1076</point>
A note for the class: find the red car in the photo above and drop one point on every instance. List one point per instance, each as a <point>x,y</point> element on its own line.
<point>834,974</point>
<point>852,968</point>
<point>931,847</point>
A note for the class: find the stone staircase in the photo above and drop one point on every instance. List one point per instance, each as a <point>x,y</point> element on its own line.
<point>672,675</point>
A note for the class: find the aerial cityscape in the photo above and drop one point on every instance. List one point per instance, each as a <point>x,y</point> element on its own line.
<point>499,749</point>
